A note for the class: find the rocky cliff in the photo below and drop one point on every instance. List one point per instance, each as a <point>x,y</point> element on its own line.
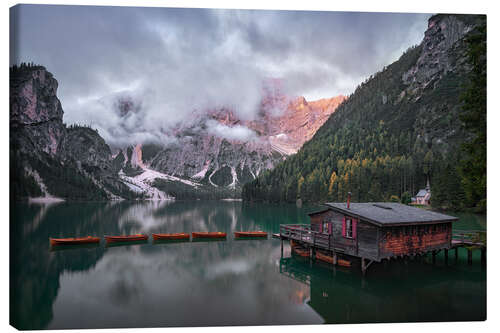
<point>35,111</point>
<point>442,52</point>
<point>49,159</point>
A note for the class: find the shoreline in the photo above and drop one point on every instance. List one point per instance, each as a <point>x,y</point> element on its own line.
<point>45,200</point>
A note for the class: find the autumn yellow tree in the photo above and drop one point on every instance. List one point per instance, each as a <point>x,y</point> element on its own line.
<point>333,178</point>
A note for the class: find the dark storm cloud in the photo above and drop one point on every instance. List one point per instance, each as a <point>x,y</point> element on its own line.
<point>173,61</point>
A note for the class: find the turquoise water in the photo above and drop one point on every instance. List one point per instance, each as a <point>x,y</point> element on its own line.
<point>231,282</point>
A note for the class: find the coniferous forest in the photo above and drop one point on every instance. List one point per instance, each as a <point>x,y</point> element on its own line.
<point>387,140</point>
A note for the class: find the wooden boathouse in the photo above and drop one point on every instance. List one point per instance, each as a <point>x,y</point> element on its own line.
<point>371,231</point>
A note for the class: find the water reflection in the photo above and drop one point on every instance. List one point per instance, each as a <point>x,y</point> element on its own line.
<point>176,284</point>
<point>398,292</point>
<point>229,282</point>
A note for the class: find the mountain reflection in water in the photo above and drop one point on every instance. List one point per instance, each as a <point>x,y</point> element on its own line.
<point>205,283</point>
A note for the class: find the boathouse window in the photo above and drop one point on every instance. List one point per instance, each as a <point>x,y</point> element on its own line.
<point>349,227</point>
<point>326,228</point>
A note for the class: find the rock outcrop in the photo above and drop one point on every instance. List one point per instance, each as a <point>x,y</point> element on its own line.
<point>35,111</point>
<point>49,159</point>
<point>437,58</point>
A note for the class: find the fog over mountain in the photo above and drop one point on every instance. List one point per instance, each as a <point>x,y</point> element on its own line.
<point>134,73</point>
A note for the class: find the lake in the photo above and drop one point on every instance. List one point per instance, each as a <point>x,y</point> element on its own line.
<point>230,282</point>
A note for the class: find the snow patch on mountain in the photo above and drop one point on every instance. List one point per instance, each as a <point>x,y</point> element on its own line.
<point>203,172</point>
<point>235,178</point>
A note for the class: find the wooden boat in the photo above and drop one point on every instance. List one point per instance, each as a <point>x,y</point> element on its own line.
<point>300,251</point>
<point>209,235</point>
<point>73,241</point>
<point>128,238</point>
<point>243,234</point>
<point>342,262</point>
<point>329,259</point>
<point>323,257</point>
<point>176,236</point>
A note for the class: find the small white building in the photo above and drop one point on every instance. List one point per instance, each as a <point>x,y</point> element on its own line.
<point>423,196</point>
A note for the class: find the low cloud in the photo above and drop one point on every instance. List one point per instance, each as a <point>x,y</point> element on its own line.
<point>237,132</point>
<point>174,61</point>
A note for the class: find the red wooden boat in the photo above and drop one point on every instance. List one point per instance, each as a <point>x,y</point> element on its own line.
<point>128,238</point>
<point>300,251</point>
<point>242,234</point>
<point>324,257</point>
<point>329,259</point>
<point>170,236</point>
<point>342,262</point>
<point>209,235</point>
<point>73,241</point>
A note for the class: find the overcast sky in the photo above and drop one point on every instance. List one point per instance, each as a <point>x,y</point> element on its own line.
<point>173,61</point>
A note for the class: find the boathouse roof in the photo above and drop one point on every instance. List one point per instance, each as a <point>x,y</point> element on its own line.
<point>318,212</point>
<point>390,213</point>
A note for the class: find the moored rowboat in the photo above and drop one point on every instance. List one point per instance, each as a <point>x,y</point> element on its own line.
<point>324,257</point>
<point>345,263</point>
<point>329,259</point>
<point>73,241</point>
<point>170,236</point>
<point>209,235</point>
<point>241,234</point>
<point>128,238</point>
<point>300,251</point>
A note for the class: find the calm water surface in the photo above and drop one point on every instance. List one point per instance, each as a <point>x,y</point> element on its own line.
<point>231,282</point>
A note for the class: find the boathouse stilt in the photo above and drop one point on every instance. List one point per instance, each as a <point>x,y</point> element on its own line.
<point>281,247</point>
<point>446,256</point>
<point>433,257</point>
<point>483,255</point>
<point>365,263</point>
<point>469,256</point>
<point>456,254</point>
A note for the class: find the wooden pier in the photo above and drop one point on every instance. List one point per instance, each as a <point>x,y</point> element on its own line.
<point>312,239</point>
<point>471,240</point>
<point>316,242</point>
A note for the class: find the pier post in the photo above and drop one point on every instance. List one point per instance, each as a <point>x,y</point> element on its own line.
<point>456,254</point>
<point>433,257</point>
<point>469,256</point>
<point>281,247</point>
<point>363,266</point>
<point>446,256</point>
<point>483,255</point>
<point>334,259</point>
